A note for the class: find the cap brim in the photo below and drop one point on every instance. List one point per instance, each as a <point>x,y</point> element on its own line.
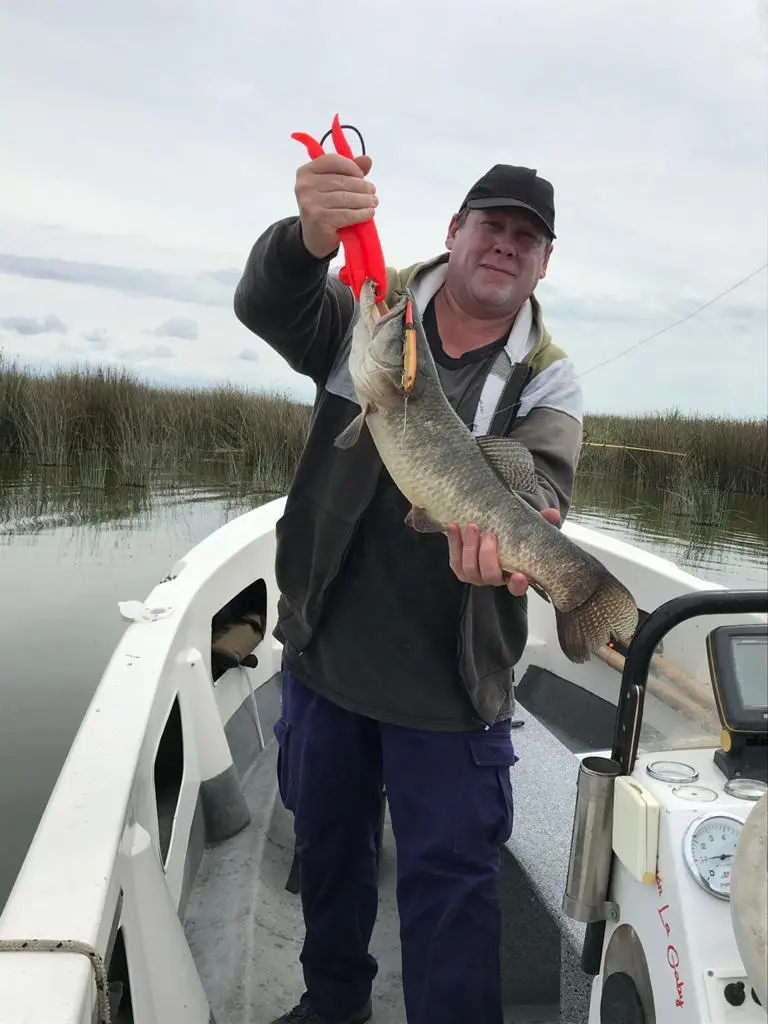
<point>486,204</point>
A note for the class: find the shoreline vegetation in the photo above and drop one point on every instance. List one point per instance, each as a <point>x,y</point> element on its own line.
<point>113,426</point>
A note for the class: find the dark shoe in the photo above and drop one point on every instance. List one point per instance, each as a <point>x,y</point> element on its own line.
<point>304,1014</point>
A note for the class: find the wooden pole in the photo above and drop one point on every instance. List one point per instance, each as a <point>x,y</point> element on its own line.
<point>631,448</point>
<point>673,687</point>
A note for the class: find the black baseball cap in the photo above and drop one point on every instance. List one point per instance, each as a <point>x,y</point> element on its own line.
<point>507,185</point>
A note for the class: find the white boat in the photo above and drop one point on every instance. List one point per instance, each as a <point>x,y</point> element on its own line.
<point>158,886</point>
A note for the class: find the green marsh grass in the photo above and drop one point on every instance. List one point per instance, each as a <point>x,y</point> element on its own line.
<point>687,454</point>
<point>106,421</point>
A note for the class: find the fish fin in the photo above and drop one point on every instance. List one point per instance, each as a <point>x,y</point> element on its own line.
<point>350,435</point>
<point>512,461</point>
<point>540,591</point>
<point>610,612</point>
<point>419,521</point>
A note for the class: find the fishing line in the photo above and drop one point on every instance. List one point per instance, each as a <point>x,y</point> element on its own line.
<point>669,327</point>
<point>677,323</point>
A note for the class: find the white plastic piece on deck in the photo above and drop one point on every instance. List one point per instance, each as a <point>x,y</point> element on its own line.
<point>137,611</point>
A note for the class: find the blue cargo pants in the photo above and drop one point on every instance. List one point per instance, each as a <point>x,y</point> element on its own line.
<point>450,804</point>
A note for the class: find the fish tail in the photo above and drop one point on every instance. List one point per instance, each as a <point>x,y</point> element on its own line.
<point>609,613</point>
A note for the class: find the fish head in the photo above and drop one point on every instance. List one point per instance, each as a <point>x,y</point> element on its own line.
<point>377,356</point>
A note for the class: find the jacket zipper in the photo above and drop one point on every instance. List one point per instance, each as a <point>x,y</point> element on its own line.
<point>464,599</point>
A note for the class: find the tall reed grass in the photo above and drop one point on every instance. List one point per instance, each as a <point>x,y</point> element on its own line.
<point>101,419</point>
<point>109,420</point>
<point>686,451</point>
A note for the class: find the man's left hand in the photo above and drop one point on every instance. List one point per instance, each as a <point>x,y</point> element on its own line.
<point>474,557</point>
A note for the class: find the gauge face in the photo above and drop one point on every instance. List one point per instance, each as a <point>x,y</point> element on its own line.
<point>710,848</point>
<point>696,794</point>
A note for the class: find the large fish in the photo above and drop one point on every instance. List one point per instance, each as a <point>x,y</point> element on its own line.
<point>451,476</point>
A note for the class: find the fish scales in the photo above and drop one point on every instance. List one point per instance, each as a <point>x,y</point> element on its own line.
<point>451,476</point>
<point>433,460</point>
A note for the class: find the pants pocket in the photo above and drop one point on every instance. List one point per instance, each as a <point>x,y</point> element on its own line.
<point>485,806</point>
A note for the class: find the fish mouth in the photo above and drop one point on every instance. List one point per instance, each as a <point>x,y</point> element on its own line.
<point>372,310</point>
<point>380,321</point>
<point>383,383</point>
<point>390,369</point>
<point>391,352</point>
<point>398,310</point>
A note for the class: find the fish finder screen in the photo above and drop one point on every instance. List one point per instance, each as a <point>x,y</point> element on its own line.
<point>750,659</point>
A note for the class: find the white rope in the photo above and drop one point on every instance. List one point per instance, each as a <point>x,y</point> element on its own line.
<point>68,946</point>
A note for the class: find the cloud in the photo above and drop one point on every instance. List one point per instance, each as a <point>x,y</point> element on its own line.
<point>99,338</point>
<point>657,309</point>
<point>30,325</point>
<point>658,171</point>
<point>205,288</point>
<point>229,277</point>
<point>162,352</point>
<point>177,327</point>
<point>148,352</point>
<point>250,355</point>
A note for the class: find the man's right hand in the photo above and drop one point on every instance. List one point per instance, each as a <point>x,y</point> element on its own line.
<point>332,193</point>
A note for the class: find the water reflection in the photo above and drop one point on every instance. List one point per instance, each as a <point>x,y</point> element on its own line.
<point>38,499</point>
<point>732,551</point>
<point>50,497</point>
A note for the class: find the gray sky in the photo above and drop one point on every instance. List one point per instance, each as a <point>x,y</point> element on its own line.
<point>146,145</point>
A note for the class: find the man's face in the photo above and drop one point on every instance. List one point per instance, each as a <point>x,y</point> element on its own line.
<point>497,257</point>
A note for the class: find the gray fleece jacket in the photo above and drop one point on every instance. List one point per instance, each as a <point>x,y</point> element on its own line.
<point>289,299</point>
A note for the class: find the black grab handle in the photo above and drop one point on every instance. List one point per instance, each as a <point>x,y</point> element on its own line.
<point>651,632</point>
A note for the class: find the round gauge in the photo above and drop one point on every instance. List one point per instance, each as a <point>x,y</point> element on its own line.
<point>745,789</point>
<point>710,847</point>
<point>699,794</point>
<point>672,771</point>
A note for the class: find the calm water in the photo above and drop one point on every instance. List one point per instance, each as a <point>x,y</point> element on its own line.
<point>71,548</point>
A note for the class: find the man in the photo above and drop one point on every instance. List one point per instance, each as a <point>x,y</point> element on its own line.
<point>399,649</point>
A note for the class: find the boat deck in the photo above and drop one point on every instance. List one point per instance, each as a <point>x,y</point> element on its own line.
<point>245,929</point>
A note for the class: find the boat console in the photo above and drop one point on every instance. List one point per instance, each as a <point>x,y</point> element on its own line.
<point>669,850</point>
